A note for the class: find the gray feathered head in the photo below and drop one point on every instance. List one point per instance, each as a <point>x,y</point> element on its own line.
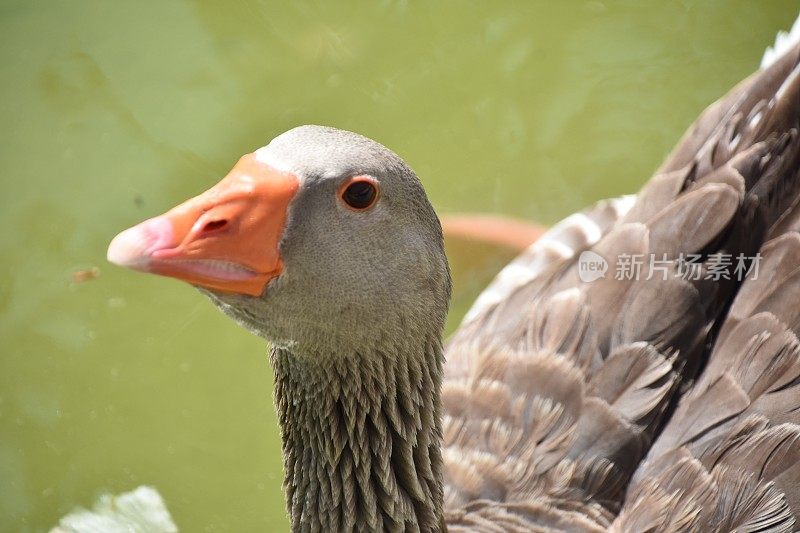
<point>321,237</point>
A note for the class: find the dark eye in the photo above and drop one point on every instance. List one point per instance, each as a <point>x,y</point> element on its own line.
<point>360,193</point>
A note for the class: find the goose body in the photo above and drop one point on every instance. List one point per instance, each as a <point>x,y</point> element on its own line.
<point>660,404</point>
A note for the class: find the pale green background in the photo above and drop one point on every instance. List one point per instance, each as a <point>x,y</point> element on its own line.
<point>114,111</point>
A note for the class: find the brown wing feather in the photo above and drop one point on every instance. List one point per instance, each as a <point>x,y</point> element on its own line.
<point>556,389</point>
<point>740,425</point>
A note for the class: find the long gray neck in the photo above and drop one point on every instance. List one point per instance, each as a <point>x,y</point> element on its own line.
<point>361,438</point>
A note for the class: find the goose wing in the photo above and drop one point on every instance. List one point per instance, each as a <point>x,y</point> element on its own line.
<point>558,383</point>
<point>729,458</point>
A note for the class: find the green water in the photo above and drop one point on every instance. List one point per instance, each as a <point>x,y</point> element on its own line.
<point>112,112</point>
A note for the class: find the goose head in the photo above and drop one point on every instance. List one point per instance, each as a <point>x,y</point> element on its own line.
<point>323,239</point>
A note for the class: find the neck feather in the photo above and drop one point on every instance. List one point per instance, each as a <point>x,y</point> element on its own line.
<point>361,438</point>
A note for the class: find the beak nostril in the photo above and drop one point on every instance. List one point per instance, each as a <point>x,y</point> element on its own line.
<point>214,225</point>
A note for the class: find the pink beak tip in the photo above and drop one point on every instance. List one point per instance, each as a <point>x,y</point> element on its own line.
<point>133,247</point>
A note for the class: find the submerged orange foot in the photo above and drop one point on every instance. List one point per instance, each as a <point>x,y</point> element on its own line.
<point>493,229</point>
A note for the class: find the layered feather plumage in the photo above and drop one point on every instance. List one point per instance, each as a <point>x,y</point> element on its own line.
<point>560,395</point>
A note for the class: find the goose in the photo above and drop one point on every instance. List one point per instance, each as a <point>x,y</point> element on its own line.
<point>563,402</point>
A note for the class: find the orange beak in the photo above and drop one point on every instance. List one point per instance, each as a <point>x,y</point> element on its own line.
<point>226,239</point>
